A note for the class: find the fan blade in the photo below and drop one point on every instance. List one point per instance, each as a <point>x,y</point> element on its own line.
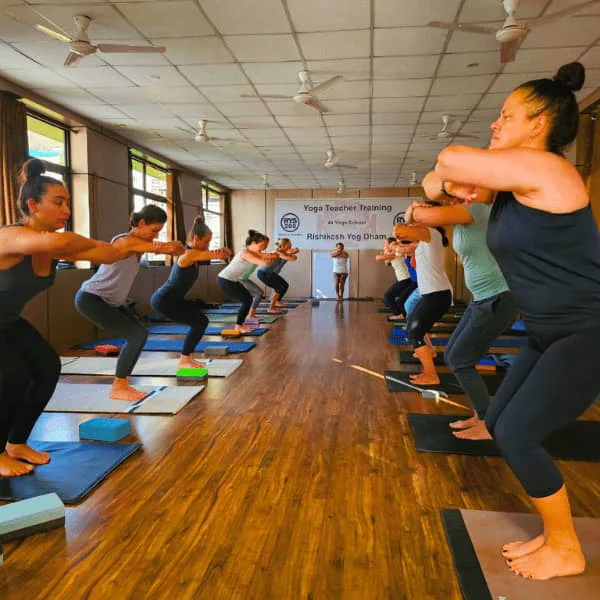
<point>561,13</point>
<point>346,166</point>
<point>316,103</point>
<point>108,48</point>
<point>72,59</point>
<point>508,51</point>
<point>326,84</point>
<point>54,34</point>
<point>460,27</point>
<point>278,96</point>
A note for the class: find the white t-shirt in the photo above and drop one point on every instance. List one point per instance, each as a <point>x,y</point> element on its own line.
<point>340,264</point>
<point>431,271</point>
<point>400,268</point>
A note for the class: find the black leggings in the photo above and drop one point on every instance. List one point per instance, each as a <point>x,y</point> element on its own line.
<point>275,281</point>
<point>183,311</point>
<point>421,319</point>
<point>551,383</point>
<point>235,290</point>
<point>29,371</point>
<point>119,320</point>
<point>397,294</point>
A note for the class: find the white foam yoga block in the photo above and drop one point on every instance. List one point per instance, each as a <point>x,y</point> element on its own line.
<point>34,515</point>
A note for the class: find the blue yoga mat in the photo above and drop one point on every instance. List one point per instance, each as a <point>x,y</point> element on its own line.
<point>75,470</point>
<point>183,329</point>
<point>398,338</point>
<point>172,345</point>
<point>261,306</point>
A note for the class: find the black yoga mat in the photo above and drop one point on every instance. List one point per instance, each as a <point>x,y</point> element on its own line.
<point>447,383</point>
<point>432,433</point>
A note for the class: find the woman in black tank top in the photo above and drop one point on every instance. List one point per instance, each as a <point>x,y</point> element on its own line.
<point>29,367</point>
<point>543,235</point>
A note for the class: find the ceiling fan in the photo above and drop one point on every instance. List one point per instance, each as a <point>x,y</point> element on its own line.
<point>202,135</point>
<point>512,33</point>
<point>334,162</point>
<point>80,46</point>
<point>342,189</point>
<point>306,92</point>
<point>446,133</point>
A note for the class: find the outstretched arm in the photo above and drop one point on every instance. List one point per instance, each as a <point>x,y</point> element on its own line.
<point>23,240</point>
<point>129,244</point>
<point>415,233</point>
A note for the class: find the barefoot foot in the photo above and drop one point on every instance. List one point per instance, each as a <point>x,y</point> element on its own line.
<point>128,393</point>
<point>518,549</point>
<point>27,453</point>
<point>243,329</point>
<point>425,379</point>
<point>465,423</point>
<point>549,561</point>
<point>187,362</point>
<point>477,432</point>
<point>10,467</point>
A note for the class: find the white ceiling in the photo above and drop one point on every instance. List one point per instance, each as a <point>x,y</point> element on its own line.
<point>399,78</point>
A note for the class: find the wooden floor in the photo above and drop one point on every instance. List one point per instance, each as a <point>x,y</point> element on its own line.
<point>296,478</point>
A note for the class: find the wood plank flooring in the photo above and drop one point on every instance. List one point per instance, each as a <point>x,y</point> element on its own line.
<point>296,478</point>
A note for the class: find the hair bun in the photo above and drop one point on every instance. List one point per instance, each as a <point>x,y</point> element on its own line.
<point>252,232</point>
<point>198,219</point>
<point>571,75</point>
<point>34,168</point>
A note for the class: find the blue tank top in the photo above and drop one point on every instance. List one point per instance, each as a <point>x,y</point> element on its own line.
<point>180,281</point>
<point>273,267</point>
<point>551,263</point>
<point>18,285</point>
<point>412,272</point>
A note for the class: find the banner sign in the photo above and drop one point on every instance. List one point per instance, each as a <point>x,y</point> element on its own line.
<point>356,222</point>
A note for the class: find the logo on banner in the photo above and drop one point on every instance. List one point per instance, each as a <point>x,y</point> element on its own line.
<point>399,218</point>
<point>289,222</point>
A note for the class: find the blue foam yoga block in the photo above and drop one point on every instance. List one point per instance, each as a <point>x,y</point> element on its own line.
<point>104,430</point>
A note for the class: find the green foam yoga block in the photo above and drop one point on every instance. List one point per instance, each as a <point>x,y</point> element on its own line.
<point>193,374</point>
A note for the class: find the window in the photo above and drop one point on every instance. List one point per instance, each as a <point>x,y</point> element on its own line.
<point>148,185</point>
<point>212,202</point>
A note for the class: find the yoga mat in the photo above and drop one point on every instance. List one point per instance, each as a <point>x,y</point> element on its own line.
<point>94,398</point>
<point>145,367</point>
<point>183,330</point>
<point>476,537</point>
<point>75,470</point>
<point>396,340</point>
<point>448,382</point>
<point>432,433</point>
<point>172,345</point>
<point>384,309</point>
<point>233,311</point>
<point>212,318</point>
<point>502,361</point>
<point>262,305</point>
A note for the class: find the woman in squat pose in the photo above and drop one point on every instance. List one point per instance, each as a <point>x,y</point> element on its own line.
<point>103,297</point>
<point>169,299</point>
<point>490,312</point>
<point>29,253</point>
<point>544,237</point>
<point>270,274</point>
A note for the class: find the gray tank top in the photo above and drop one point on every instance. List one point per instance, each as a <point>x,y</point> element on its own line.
<point>18,285</point>
<point>238,269</point>
<point>113,282</point>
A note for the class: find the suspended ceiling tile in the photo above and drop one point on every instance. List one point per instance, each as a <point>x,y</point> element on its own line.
<point>405,67</point>
<point>457,65</point>
<point>335,44</point>
<point>389,130</point>
<point>315,15</point>
<point>348,130</point>
<point>273,72</point>
<point>344,120</point>
<point>463,41</point>
<point>243,109</point>
<point>436,117</point>
<point>161,19</point>
<point>213,74</point>
<point>490,10</point>
<point>455,85</point>
<point>227,93</point>
<point>340,107</point>
<point>386,105</point>
<point>197,111</point>
<point>394,118</point>
<point>102,112</point>
<point>346,90</point>
<point>400,88</point>
<point>194,50</point>
<point>133,59</point>
<point>309,119</point>
<point>390,13</point>
<point>96,77</point>
<point>449,103</point>
<point>546,59</point>
<point>38,78</point>
<point>73,96</point>
<point>566,32</point>
<point>125,95</point>
<point>263,48</point>
<point>591,59</point>
<point>408,41</point>
<point>153,76</point>
<point>12,30</point>
<point>145,111</point>
<point>254,122</point>
<point>247,16</point>
<point>174,95</point>
<point>10,59</point>
<point>351,69</point>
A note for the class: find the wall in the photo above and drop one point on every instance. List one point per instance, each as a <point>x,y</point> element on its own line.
<point>254,209</point>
